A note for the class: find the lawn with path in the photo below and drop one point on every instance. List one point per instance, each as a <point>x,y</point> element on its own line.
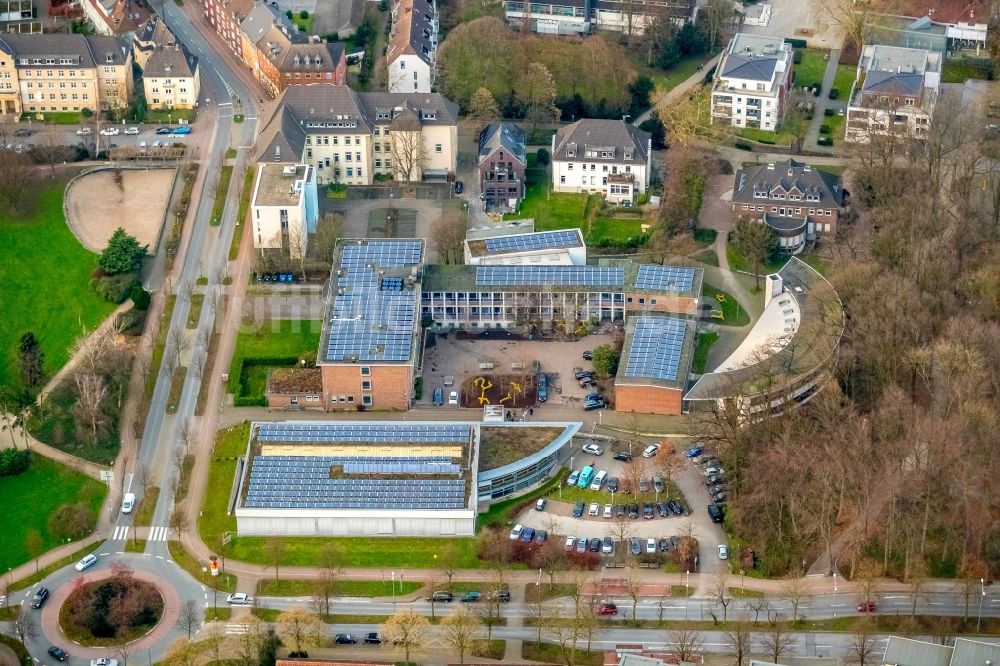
<point>39,491</point>
<point>809,72</point>
<point>45,272</point>
<point>273,339</point>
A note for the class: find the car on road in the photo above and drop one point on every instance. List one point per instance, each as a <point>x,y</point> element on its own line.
<point>633,511</point>
<point>588,355</point>
<point>569,543</point>
<point>528,535</point>
<point>238,599</point>
<point>647,510</point>
<point>664,545</point>
<point>623,456</point>
<point>443,596</point>
<point>540,504</point>
<point>110,131</point>
<point>541,536</point>
<point>694,451</point>
<point>634,546</point>
<point>503,596</point>
<point>868,606</point>
<point>346,639</point>
<point>578,509</point>
<point>516,531</point>
<point>573,478</point>
<point>650,545</point>
<point>650,451</point>
<point>86,562</point>
<point>657,484</point>
<point>471,597</point>
<point>459,187</point>
<point>595,544</point>
<point>184,129</point>
<point>453,398</point>
<point>608,546</point>
<point>104,661</point>
<point>41,594</point>
<point>372,638</point>
<point>163,130</point>
<point>83,131</point>
<point>131,131</point>
<point>23,132</point>
<point>592,449</point>
<point>608,511</point>
<point>438,397</point>
<point>607,609</point>
<point>723,551</point>
<point>58,653</point>
<point>595,508</point>
<point>613,484</point>
<point>581,545</point>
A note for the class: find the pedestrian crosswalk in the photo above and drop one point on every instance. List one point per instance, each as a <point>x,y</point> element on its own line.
<point>120,533</point>
<point>158,533</point>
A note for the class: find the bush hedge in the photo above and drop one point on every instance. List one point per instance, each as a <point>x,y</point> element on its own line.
<point>114,288</point>
<point>828,112</point>
<point>14,461</point>
<point>834,93</point>
<point>796,43</point>
<point>250,401</point>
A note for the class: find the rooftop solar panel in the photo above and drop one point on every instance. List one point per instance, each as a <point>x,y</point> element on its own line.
<point>665,278</point>
<point>656,348</point>
<point>584,276</point>
<point>362,432</point>
<point>534,241</point>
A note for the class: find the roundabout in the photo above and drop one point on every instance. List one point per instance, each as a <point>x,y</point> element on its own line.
<point>143,593</point>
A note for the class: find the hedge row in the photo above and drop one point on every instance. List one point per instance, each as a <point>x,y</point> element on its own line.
<point>250,401</point>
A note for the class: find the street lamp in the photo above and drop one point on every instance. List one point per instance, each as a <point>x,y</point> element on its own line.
<point>687,592</point>
<point>835,594</point>
<point>982,587</point>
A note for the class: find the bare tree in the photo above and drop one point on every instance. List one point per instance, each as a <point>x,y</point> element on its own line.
<point>298,241</point>
<point>863,650</point>
<point>274,550</point>
<point>483,110</point>
<point>739,639</point>
<point>718,19</point>
<point>15,176</point>
<point>447,236</point>
<point>719,591</point>
<point>189,617</point>
<point>409,154</point>
<point>793,591</point>
<point>538,90</point>
<point>300,629</point>
<point>91,391</point>
<point>407,630</point>
<point>633,587</point>
<point>461,629</point>
<point>328,232</point>
<point>776,642</point>
<point>23,628</point>
<point>685,644</point>
<point>756,242</point>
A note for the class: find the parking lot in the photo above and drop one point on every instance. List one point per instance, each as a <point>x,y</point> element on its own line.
<point>468,358</point>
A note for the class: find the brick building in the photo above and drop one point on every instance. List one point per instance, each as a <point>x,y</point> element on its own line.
<point>502,161</point>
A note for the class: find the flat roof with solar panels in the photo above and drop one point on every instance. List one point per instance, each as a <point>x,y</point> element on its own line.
<point>373,313</point>
<point>657,352</point>
<point>532,242</point>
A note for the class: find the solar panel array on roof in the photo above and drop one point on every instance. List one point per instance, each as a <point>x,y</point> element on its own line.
<point>392,284</point>
<point>656,348</point>
<point>664,278</point>
<point>535,241</point>
<point>584,276</point>
<point>363,432</point>
<point>387,254</point>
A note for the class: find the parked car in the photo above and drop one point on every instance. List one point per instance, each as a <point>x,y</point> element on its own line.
<point>131,131</point>
<point>238,599</point>
<point>634,546</point>
<point>110,131</point>
<point>713,479</point>
<point>595,508</point>
<point>459,187</point>
<point>723,551</point>
<point>87,562</point>
<point>471,597</point>
<point>593,396</point>
<point>650,450</point>
<point>715,513</point>
<point>595,544</point>
<point>540,504</point>
<point>664,545</point>
<point>607,609</point>
<point>58,653</point>
<point>528,535</point>
<point>647,510</point>
<point>664,509</point>
<point>578,510</point>
<point>372,638</point>
<point>613,484</point>
<point>104,661</point>
<point>591,405</point>
<point>676,507</point>
<point>619,511</point>
<point>608,511</point>
<point>163,130</point>
<point>438,397</point>
<point>868,606</point>
<point>543,388</point>
<point>623,456</point>
<point>694,451</point>
<point>650,546</point>
<point>633,511</point>
<point>516,531</point>
<point>41,594</point>
<point>503,596</point>
<point>720,498</point>
<point>581,545</point>
<point>643,484</point>
<point>608,546</point>
<point>588,355</point>
<point>573,478</point>
<point>443,596</point>
<point>346,639</point>
<point>599,480</point>
<point>83,131</point>
<point>657,484</point>
<point>453,398</point>
<point>541,536</point>
<point>23,132</point>
<point>580,374</point>
<point>592,449</point>
<point>569,543</point>
<point>183,129</point>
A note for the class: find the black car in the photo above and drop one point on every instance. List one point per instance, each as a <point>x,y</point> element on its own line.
<point>718,488</point>
<point>41,594</point>
<point>578,510</point>
<point>58,653</point>
<point>647,510</point>
<point>591,405</point>
<point>372,638</point>
<point>595,544</point>
<point>715,513</point>
<point>619,511</point>
<point>541,536</point>
<point>163,130</point>
<point>459,186</point>
<point>588,356</point>
<point>346,639</point>
<point>623,456</point>
<point>441,595</point>
<point>613,484</point>
<point>23,132</point>
<point>676,507</point>
<point>584,373</point>
<point>501,595</point>
<point>664,545</point>
<point>633,511</point>
<point>664,509</point>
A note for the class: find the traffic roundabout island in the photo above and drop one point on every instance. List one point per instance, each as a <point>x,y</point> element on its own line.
<point>114,610</point>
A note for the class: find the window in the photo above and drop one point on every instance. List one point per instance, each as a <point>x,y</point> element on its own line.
<point>562,179</point>
<point>366,400</point>
<point>402,64</point>
<point>366,371</point>
<point>569,166</point>
<point>350,172</point>
<point>366,385</point>
<point>437,147</point>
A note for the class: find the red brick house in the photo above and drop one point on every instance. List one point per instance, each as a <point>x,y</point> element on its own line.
<point>502,161</point>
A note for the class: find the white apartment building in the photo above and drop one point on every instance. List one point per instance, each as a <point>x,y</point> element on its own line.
<point>171,79</point>
<point>752,82</point>
<point>412,50</point>
<point>895,91</point>
<point>284,208</point>
<point>351,137</point>
<point>597,156</point>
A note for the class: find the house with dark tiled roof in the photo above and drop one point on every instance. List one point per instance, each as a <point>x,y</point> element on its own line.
<point>170,79</point>
<point>502,161</point>
<point>797,201</point>
<point>894,92</point>
<point>351,137</point>
<point>411,54</point>
<point>752,82</point>
<point>606,157</point>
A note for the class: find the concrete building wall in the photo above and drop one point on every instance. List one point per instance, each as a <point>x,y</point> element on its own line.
<point>384,387</point>
<point>329,154</point>
<point>408,73</point>
<point>584,176</point>
<point>647,399</point>
<point>171,92</point>
<point>264,522</point>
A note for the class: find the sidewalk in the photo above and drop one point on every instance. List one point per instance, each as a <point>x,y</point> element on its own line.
<point>822,102</point>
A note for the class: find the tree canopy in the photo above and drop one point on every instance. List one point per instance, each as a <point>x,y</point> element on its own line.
<point>123,254</point>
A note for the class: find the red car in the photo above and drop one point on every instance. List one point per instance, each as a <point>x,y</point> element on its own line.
<point>607,609</point>
<point>867,607</point>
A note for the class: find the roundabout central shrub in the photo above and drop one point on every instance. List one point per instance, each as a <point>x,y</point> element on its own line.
<point>119,609</point>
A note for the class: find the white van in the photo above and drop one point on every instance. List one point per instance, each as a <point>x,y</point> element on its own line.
<point>128,502</point>
<point>598,482</point>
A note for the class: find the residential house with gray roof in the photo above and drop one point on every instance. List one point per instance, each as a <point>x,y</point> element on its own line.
<point>599,156</point>
<point>894,92</point>
<point>797,201</point>
<point>411,55</point>
<point>352,137</point>
<point>170,79</point>
<point>752,82</point>
<point>502,162</point>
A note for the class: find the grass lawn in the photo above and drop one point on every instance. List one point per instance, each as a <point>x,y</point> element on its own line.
<point>956,70</point>
<point>224,582</point>
<point>55,117</point>
<point>277,338</point>
<point>738,262</point>
<point>502,512</point>
<point>45,272</point>
<point>764,136</point>
<point>844,79</point>
<point>547,591</point>
<point>498,448</point>
<point>303,24</point>
<point>810,71</point>
<point>615,228</point>
<point>44,572</point>
<point>194,312</point>
<point>705,237</point>
<point>221,191</point>
<point>550,653</point>
<point>732,312</point>
<point>706,257</point>
<point>144,512</point>
<point>493,649</point>
<point>268,587</point>
<point>667,79</point>
<point>169,117</point>
<point>681,591</point>
<point>42,489</point>
<point>836,124</point>
<point>705,342</point>
<point>245,194</point>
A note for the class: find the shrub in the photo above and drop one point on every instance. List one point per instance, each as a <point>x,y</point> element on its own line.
<point>250,401</point>
<point>543,156</point>
<point>331,37</point>
<point>114,288</point>
<point>797,58</point>
<point>86,113</point>
<point>304,15</point>
<point>824,129</point>
<point>123,254</point>
<point>796,43</point>
<point>71,521</point>
<point>725,167</point>
<point>829,112</point>
<point>140,297</point>
<point>606,360</point>
<point>834,93</point>
<point>643,198</point>
<point>13,461</point>
<point>743,145</point>
<point>288,14</point>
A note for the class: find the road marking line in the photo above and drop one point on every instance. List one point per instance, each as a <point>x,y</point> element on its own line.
<point>103,554</point>
<point>159,557</point>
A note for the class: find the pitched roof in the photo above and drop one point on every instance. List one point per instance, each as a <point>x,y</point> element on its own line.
<point>784,177</point>
<point>310,57</point>
<point>436,109</point>
<point>176,62</point>
<point>82,50</point>
<point>414,30</point>
<point>283,139</point>
<point>891,82</point>
<point>614,136</point>
<point>753,57</point>
<point>508,136</point>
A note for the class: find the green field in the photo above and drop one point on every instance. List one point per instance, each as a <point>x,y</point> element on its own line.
<point>277,338</point>
<point>268,587</point>
<point>843,80</point>
<point>810,71</point>
<point>705,342</point>
<point>956,70</point>
<point>733,313</point>
<point>45,272</point>
<point>29,500</point>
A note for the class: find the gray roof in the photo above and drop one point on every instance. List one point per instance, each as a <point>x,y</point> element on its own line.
<point>968,651</point>
<point>890,82</point>
<point>283,139</point>
<point>171,62</point>
<point>753,57</point>
<point>508,136</point>
<point>434,108</point>
<point>257,23</point>
<point>413,30</point>
<point>909,652</point>
<point>320,56</point>
<point>615,136</point>
<point>784,177</point>
<point>83,50</point>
